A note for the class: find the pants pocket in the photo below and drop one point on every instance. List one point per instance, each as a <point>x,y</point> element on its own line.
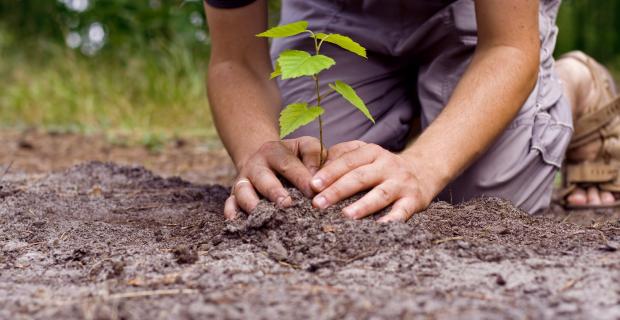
<point>551,136</point>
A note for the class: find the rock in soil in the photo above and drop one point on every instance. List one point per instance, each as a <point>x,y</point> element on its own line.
<point>106,241</point>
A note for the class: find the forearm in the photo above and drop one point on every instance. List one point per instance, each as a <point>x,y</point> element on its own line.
<point>245,108</point>
<point>244,102</point>
<point>486,99</point>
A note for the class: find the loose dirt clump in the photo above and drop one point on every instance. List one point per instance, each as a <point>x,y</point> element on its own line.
<point>105,241</point>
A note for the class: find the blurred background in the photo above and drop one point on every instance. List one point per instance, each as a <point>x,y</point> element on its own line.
<point>137,67</point>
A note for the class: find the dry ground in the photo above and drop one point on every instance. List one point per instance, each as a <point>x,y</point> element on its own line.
<point>107,241</point>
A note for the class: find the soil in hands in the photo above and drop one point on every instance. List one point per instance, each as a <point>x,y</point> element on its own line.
<point>105,241</point>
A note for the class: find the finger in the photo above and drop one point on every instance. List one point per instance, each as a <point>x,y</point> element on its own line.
<point>344,164</point>
<point>378,198</point>
<point>401,211</point>
<point>230,208</point>
<point>245,196</point>
<point>309,149</point>
<point>338,150</point>
<point>290,167</point>
<point>351,183</point>
<point>593,196</point>
<point>267,184</point>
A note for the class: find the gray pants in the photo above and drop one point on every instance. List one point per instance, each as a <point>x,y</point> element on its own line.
<point>417,52</point>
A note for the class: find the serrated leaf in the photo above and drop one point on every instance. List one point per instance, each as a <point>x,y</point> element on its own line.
<point>285,30</point>
<point>349,94</point>
<point>296,63</point>
<point>343,42</point>
<point>276,72</point>
<point>296,115</point>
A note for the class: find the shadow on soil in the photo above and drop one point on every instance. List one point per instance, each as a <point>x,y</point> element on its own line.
<point>105,241</point>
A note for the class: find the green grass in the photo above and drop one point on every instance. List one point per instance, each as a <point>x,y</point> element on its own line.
<point>143,94</point>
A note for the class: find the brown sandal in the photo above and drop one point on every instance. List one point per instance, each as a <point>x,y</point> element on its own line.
<point>601,121</point>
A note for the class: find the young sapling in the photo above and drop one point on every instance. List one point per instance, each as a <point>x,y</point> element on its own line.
<point>296,63</point>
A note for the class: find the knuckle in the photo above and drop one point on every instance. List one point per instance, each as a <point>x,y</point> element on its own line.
<point>308,140</point>
<point>276,193</point>
<point>246,204</point>
<point>333,192</point>
<point>286,164</point>
<point>267,147</point>
<point>359,176</point>
<point>349,162</point>
<point>262,178</point>
<point>387,162</point>
<point>418,200</point>
<point>373,147</point>
<point>403,214</point>
<point>383,193</point>
<point>415,194</point>
<point>408,177</point>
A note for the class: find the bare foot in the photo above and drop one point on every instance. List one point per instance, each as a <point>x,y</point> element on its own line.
<point>578,86</point>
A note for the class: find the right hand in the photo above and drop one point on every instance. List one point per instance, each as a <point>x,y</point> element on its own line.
<point>297,160</point>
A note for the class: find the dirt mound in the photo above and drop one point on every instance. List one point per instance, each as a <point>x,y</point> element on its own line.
<point>105,241</point>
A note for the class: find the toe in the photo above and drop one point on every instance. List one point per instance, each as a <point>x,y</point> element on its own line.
<point>607,197</point>
<point>594,197</point>
<point>577,197</point>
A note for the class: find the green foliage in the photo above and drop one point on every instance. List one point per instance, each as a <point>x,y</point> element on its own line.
<point>286,30</point>
<point>148,77</point>
<point>277,71</point>
<point>344,42</point>
<point>161,94</point>
<point>347,92</point>
<point>153,143</point>
<point>296,63</point>
<point>129,26</point>
<point>591,26</point>
<point>297,115</point>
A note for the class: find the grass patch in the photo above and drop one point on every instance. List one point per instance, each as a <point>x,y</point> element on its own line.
<point>145,93</point>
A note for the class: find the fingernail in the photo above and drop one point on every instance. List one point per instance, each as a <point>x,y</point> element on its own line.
<point>320,202</point>
<point>318,183</point>
<point>282,202</point>
<point>349,212</point>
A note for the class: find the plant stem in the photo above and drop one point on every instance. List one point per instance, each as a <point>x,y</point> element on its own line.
<point>317,47</point>
<point>318,102</point>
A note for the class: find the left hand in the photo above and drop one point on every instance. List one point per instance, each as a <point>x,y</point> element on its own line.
<point>355,166</point>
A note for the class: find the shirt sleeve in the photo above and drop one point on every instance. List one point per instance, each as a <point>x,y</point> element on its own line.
<point>228,4</point>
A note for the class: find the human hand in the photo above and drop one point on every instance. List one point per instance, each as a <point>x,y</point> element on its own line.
<point>295,159</point>
<point>355,166</point>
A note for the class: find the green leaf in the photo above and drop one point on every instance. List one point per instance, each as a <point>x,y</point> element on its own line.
<point>285,30</point>
<point>277,72</point>
<point>296,115</point>
<point>343,42</point>
<point>347,92</point>
<point>295,63</point>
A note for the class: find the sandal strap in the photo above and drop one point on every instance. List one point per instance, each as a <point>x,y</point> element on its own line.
<point>613,186</point>
<point>593,121</point>
<point>591,172</point>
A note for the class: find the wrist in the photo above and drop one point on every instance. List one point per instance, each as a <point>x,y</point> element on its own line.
<point>434,175</point>
<point>240,162</point>
<point>245,149</point>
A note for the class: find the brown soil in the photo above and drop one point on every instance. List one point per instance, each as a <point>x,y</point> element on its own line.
<point>106,241</point>
<point>36,152</point>
<point>100,240</point>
